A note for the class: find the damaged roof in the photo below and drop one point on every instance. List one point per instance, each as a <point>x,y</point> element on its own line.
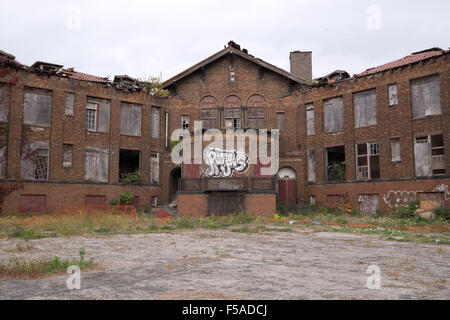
<point>76,75</point>
<point>411,59</point>
<point>234,48</point>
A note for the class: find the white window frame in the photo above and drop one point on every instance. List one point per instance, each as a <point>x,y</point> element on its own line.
<point>92,107</point>
<point>310,119</point>
<point>363,172</point>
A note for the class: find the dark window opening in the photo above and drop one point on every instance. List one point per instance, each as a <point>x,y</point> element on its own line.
<point>335,163</point>
<point>128,164</point>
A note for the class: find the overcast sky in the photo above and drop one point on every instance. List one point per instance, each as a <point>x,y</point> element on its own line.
<point>138,37</point>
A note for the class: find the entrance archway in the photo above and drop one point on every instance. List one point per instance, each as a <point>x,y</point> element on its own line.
<point>287,185</point>
<point>175,174</point>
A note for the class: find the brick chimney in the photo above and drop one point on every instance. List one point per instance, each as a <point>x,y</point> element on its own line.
<point>301,64</point>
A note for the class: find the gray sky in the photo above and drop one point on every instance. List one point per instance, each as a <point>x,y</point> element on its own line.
<point>137,37</point>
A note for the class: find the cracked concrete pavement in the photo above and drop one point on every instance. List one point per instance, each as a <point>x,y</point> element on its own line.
<point>220,264</point>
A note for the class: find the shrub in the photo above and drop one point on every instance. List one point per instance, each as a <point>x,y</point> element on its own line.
<point>131,178</point>
<point>114,202</point>
<point>442,213</point>
<point>336,171</point>
<point>282,208</point>
<point>126,197</point>
<point>406,212</point>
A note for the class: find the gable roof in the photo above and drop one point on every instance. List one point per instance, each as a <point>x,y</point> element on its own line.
<point>413,58</point>
<point>233,48</point>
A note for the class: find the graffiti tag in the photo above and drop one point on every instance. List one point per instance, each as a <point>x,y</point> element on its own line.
<point>222,163</point>
<point>398,198</point>
<point>443,188</point>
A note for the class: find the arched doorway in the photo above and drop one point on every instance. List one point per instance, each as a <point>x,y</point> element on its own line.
<point>175,174</point>
<point>287,185</point>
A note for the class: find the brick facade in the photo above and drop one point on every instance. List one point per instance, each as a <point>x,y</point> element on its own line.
<point>231,72</point>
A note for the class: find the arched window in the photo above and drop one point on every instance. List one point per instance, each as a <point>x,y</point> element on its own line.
<point>232,112</point>
<point>256,105</point>
<point>208,112</point>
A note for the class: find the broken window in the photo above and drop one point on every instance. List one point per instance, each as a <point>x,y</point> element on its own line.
<point>209,118</point>
<point>255,118</point>
<point>335,157</point>
<point>429,155</point>
<point>425,97</point>
<point>2,161</point>
<point>395,150</point>
<point>97,115</point>
<point>365,104</point>
<point>232,118</point>
<point>280,121</point>
<point>310,119</point>
<point>154,167</point>
<point>367,161</point>
<point>69,103</point>
<point>96,164</point>
<point>155,121</point>
<point>37,107</point>
<point>67,156</point>
<point>333,110</point>
<point>34,162</point>
<point>312,200</point>
<point>4,102</point>
<point>393,95</point>
<point>311,166</point>
<point>128,163</point>
<point>185,122</point>
<point>130,119</point>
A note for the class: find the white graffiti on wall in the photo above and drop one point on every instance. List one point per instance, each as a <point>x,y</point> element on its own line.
<point>398,198</point>
<point>222,163</point>
<point>443,188</point>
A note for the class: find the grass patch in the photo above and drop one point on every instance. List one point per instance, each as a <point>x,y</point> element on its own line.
<point>17,268</point>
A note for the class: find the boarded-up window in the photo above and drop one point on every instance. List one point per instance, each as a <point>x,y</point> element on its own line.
<point>209,118</point>
<point>368,203</point>
<point>34,162</point>
<point>154,167</point>
<point>96,164</point>
<point>335,200</point>
<point>97,115</point>
<point>368,161</point>
<point>232,118</point>
<point>310,131</point>
<point>95,200</point>
<point>425,97</point>
<point>280,121</point>
<point>255,118</point>
<point>333,112</point>
<point>130,119</point>
<point>4,102</point>
<point>155,121</point>
<point>429,155</point>
<point>365,104</point>
<point>2,161</point>
<point>395,150</point>
<point>32,203</point>
<point>311,166</point>
<point>393,95</point>
<point>37,107</point>
<point>69,103</point>
<point>67,156</point>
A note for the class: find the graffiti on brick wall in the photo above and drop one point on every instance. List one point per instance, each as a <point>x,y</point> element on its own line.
<point>443,188</point>
<point>223,163</point>
<point>397,198</point>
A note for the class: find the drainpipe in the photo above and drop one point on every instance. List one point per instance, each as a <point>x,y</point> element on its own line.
<point>167,127</point>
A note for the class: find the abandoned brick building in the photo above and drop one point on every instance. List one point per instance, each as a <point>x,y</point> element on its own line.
<point>375,140</point>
